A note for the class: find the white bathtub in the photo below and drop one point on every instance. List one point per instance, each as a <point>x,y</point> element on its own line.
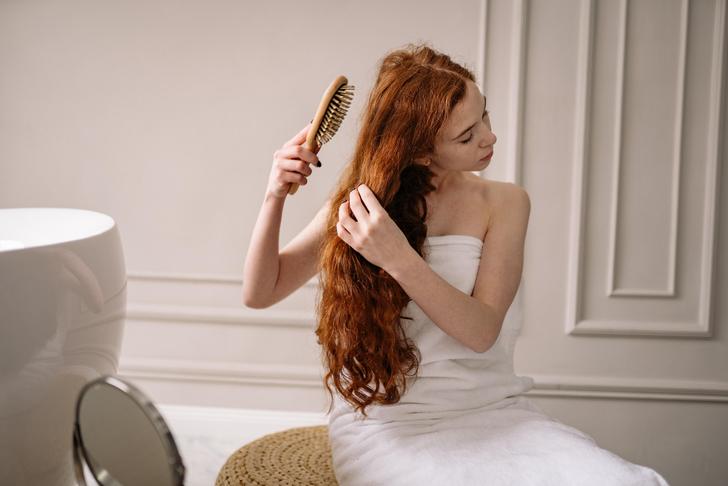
<point>62,308</point>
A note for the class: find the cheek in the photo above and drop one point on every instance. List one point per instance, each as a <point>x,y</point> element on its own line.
<point>470,149</point>
<point>463,156</point>
<point>445,157</point>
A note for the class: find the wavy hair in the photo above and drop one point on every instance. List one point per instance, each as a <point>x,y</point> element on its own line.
<point>364,347</point>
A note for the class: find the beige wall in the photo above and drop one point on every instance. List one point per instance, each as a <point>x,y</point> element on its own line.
<point>165,114</point>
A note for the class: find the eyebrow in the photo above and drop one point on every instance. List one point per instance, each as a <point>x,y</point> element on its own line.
<point>485,101</point>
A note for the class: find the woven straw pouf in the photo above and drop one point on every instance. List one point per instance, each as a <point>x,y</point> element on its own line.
<point>297,457</point>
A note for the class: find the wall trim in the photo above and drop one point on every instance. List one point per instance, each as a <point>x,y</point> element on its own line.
<point>517,75</point>
<point>221,372</point>
<point>580,169</point>
<point>701,327</point>
<point>482,59</point>
<point>312,377</point>
<point>197,278</point>
<point>669,291</point>
<point>482,50</point>
<point>617,146</point>
<point>626,327</point>
<point>221,315</point>
<point>714,141</point>
<point>629,388</point>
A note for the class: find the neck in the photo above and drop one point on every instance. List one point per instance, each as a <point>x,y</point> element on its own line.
<point>443,178</point>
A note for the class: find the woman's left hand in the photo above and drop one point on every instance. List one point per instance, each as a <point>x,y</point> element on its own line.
<point>373,233</point>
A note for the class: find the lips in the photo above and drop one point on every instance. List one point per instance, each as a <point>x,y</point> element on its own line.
<point>487,157</point>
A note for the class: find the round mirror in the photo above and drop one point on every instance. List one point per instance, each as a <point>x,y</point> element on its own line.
<point>121,438</point>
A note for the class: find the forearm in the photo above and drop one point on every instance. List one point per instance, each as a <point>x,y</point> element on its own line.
<point>261,262</point>
<point>463,317</point>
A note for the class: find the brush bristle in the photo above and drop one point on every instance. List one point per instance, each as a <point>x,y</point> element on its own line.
<point>335,113</point>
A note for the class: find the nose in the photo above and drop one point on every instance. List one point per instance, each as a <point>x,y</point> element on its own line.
<point>489,139</point>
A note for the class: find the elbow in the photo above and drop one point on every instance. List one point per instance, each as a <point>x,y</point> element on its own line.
<point>253,302</point>
<point>486,343</point>
<point>481,348</point>
<point>490,334</point>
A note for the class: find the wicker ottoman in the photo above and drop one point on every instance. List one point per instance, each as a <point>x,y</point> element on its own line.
<point>298,456</point>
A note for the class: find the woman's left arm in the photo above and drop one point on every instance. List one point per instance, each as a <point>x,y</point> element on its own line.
<point>475,320</point>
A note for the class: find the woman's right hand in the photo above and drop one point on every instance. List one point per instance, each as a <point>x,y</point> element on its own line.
<point>291,164</point>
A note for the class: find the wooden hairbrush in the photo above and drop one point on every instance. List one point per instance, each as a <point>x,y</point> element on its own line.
<point>330,113</point>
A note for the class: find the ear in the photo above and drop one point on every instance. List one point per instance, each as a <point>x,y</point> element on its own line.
<point>422,161</point>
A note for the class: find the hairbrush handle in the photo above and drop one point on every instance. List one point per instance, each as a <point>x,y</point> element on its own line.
<point>329,115</point>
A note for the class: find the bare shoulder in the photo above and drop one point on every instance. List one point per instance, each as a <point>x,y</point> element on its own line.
<point>497,193</point>
<point>498,197</point>
<point>511,196</point>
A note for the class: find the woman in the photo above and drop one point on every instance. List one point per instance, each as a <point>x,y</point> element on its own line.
<point>413,316</point>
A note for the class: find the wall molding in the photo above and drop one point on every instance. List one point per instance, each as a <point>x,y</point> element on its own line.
<point>629,388</point>
<point>631,328</point>
<point>701,327</point>
<point>482,50</point>
<point>312,377</point>
<point>196,278</point>
<point>482,60</point>
<point>277,374</point>
<point>580,170</point>
<point>669,291</point>
<point>517,75</point>
<point>714,142</point>
<point>221,315</point>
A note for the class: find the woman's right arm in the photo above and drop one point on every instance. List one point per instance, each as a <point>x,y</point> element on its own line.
<point>269,277</point>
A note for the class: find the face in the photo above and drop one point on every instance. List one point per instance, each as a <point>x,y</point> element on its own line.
<point>466,137</point>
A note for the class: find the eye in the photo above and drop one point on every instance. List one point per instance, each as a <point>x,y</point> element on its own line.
<point>485,113</point>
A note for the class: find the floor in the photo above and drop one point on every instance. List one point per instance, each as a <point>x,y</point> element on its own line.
<point>206,437</point>
<point>204,455</point>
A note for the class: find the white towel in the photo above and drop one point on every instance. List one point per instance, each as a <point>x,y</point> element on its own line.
<point>463,420</point>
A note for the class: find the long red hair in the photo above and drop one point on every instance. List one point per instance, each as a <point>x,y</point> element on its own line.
<point>365,351</point>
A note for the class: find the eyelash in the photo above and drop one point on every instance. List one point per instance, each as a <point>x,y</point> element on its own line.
<point>471,133</point>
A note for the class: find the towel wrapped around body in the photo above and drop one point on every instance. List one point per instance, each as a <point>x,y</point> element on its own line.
<point>463,419</point>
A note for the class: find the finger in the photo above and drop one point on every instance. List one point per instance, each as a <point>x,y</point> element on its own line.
<point>370,199</point>
<point>294,165</point>
<point>308,155</point>
<point>297,152</point>
<point>295,177</point>
<point>343,233</point>
<point>345,218</point>
<point>298,138</point>
<point>357,206</point>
